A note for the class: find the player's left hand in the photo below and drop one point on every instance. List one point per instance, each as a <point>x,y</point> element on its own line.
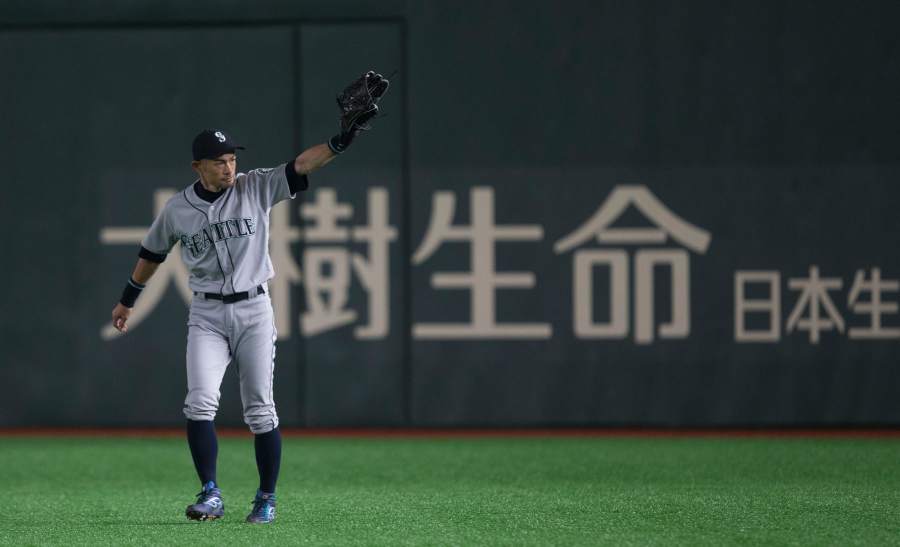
<point>358,103</point>
<point>120,317</point>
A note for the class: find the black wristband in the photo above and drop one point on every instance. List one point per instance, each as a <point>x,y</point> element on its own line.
<point>340,142</point>
<point>296,182</point>
<point>151,256</point>
<point>130,293</point>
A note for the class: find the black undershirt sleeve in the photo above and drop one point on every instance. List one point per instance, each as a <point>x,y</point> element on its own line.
<point>151,256</point>
<point>297,183</point>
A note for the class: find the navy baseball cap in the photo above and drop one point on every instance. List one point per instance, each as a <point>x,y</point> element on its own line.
<point>212,143</point>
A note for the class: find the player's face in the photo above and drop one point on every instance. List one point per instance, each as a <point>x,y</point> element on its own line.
<point>218,173</point>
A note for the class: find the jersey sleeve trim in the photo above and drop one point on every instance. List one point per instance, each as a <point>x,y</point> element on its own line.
<point>151,256</point>
<point>296,183</point>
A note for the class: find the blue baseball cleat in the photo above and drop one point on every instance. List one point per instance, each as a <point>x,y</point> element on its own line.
<point>263,508</point>
<point>209,504</point>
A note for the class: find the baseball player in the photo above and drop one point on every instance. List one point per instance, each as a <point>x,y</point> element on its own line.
<point>222,223</point>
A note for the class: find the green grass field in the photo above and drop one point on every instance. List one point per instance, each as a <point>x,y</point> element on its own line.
<point>478,491</point>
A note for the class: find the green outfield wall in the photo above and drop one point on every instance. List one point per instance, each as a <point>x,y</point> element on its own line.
<point>572,214</point>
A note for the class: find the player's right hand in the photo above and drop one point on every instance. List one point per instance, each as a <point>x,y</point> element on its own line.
<point>120,316</point>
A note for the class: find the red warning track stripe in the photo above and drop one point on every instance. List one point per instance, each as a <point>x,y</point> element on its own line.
<point>439,433</point>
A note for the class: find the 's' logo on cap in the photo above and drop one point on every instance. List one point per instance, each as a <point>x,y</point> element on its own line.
<point>220,136</point>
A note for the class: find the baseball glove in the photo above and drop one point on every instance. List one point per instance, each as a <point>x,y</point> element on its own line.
<point>358,103</point>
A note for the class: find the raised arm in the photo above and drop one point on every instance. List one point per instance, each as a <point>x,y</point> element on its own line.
<point>358,105</point>
<point>313,158</point>
<point>143,271</point>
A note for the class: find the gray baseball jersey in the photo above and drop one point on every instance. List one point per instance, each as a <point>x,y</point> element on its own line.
<point>225,245</point>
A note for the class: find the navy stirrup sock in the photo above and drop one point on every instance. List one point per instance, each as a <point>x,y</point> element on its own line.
<point>268,459</point>
<point>204,448</point>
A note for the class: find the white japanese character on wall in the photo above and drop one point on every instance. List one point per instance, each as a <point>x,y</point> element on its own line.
<point>814,300</point>
<point>483,280</point>
<point>327,268</point>
<point>875,308</point>
<point>598,227</point>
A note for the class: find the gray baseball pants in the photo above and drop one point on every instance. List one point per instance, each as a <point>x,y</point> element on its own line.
<point>219,332</point>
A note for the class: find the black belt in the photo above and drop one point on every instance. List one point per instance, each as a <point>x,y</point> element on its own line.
<point>232,298</point>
